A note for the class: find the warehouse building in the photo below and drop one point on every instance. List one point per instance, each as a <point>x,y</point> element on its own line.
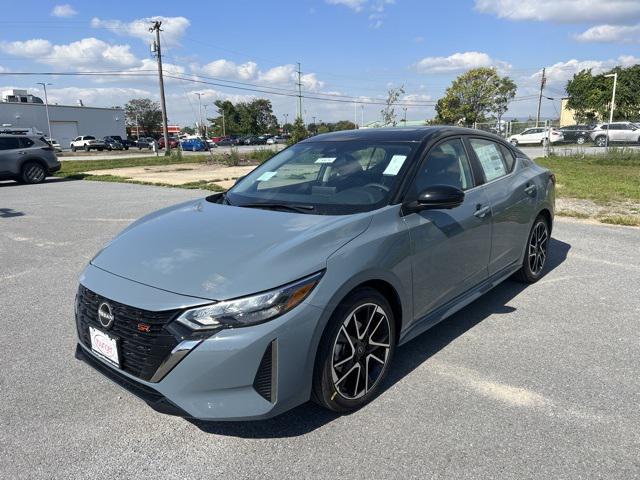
<point>20,109</point>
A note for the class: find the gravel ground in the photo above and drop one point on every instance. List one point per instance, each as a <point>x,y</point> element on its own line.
<point>527,382</point>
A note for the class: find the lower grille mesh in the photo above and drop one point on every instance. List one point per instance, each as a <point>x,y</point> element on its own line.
<point>264,382</point>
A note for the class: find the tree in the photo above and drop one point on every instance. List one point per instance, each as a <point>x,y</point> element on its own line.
<point>254,117</point>
<point>188,130</point>
<point>388,112</point>
<point>474,95</point>
<point>298,131</point>
<point>143,115</point>
<point>590,95</point>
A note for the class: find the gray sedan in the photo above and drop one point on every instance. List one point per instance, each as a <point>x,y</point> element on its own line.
<point>301,281</point>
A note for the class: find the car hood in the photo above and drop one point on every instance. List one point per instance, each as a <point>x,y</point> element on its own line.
<point>217,252</point>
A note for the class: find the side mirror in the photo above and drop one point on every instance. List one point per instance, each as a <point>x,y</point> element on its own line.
<point>435,197</point>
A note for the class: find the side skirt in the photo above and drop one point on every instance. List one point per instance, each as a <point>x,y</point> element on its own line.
<point>458,303</point>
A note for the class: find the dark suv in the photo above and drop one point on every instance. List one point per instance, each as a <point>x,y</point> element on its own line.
<point>577,133</point>
<point>26,158</point>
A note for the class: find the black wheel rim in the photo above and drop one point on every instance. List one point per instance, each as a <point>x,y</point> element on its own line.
<point>360,351</point>
<point>34,174</point>
<point>538,248</point>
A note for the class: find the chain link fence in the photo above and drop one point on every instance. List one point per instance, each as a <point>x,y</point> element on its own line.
<point>507,128</point>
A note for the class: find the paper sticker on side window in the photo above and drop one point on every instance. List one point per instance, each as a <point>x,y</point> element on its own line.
<point>395,164</point>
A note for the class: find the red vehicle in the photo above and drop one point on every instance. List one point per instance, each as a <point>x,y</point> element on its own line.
<point>173,142</point>
<point>216,139</point>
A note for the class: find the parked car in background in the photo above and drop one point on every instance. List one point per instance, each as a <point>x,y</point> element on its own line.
<point>145,142</point>
<point>227,142</point>
<point>278,139</point>
<point>126,143</point>
<point>619,132</point>
<point>54,143</point>
<point>194,144</point>
<point>211,143</point>
<point>536,136</point>
<point>577,133</point>
<point>173,142</point>
<point>291,287</point>
<point>86,143</point>
<point>26,158</point>
<point>254,140</point>
<point>113,144</point>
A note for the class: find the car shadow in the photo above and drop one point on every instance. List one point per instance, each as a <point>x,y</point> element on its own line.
<point>309,416</point>
<point>12,183</point>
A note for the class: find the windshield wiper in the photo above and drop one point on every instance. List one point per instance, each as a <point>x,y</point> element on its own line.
<point>283,206</point>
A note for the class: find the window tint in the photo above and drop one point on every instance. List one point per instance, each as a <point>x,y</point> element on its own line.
<point>446,164</point>
<point>490,157</point>
<point>508,156</point>
<point>89,137</point>
<point>9,143</point>
<point>26,143</point>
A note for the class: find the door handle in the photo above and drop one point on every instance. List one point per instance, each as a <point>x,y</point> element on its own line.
<point>481,211</point>
<point>22,153</point>
<point>530,189</point>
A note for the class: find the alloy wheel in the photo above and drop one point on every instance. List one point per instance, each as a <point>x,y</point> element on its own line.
<point>34,173</point>
<point>360,351</point>
<point>538,248</point>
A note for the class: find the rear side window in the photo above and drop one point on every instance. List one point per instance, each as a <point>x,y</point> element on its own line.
<point>9,143</point>
<point>490,157</point>
<point>508,156</point>
<point>26,143</point>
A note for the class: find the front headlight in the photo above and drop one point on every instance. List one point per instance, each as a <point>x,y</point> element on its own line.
<point>251,310</point>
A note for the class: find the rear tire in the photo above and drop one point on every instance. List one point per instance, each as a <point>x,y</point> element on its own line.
<point>73,149</point>
<point>536,252</point>
<point>86,148</point>
<point>355,352</point>
<point>32,173</point>
<point>601,141</point>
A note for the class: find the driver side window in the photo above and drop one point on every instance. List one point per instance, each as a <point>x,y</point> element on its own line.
<point>446,164</point>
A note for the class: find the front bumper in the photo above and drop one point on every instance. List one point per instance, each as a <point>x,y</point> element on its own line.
<point>220,379</point>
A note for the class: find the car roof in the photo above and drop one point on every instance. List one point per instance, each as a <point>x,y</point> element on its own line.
<point>398,134</point>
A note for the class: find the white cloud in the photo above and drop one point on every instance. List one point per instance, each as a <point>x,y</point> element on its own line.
<point>563,11</point>
<point>85,54</point>
<point>173,28</point>
<point>227,69</point>
<point>611,34</point>
<point>250,72</point>
<point>356,5</point>
<point>63,11</point>
<point>458,62</point>
<point>98,96</point>
<point>559,73</point>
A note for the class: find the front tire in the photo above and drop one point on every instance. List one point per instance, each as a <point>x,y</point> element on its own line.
<point>536,253</point>
<point>581,140</point>
<point>514,142</point>
<point>32,173</point>
<point>355,352</point>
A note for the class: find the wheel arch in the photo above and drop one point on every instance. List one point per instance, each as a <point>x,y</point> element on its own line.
<point>38,160</point>
<point>546,213</point>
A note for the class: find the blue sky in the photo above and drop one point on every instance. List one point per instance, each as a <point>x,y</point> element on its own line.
<point>348,49</point>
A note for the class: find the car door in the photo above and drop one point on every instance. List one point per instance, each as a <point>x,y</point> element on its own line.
<point>450,247</point>
<point>511,192</point>
<point>10,159</point>
<point>629,133</point>
<point>525,137</point>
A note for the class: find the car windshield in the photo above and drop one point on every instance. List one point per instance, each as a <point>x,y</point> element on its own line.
<point>327,178</point>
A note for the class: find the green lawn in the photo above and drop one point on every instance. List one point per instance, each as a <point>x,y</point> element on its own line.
<point>612,177</point>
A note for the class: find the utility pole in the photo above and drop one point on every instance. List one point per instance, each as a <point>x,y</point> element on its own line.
<point>286,120</point>
<point>543,81</point>
<point>205,119</point>
<point>315,126</point>
<point>405,115</point>
<point>163,104</point>
<point>46,105</point>
<point>361,115</point>
<point>299,92</point>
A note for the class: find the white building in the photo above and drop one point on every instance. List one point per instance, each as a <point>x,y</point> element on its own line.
<point>19,109</point>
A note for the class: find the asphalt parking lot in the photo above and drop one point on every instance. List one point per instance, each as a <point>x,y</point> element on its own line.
<point>527,382</point>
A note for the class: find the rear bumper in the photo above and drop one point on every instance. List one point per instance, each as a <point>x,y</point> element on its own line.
<point>55,168</point>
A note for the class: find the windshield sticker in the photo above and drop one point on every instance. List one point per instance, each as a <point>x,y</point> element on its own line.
<point>395,165</point>
<point>326,160</point>
<point>266,176</point>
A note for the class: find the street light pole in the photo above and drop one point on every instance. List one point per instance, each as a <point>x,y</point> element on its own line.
<point>46,105</point>
<point>613,102</point>
<point>199,112</point>
<point>205,119</point>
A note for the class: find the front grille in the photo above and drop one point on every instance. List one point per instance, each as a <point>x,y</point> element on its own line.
<point>141,353</point>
